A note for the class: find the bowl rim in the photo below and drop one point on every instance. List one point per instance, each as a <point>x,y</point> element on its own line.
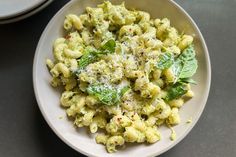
<point>180,138</point>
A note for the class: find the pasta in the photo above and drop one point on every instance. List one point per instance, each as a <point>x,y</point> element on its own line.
<point>123,73</point>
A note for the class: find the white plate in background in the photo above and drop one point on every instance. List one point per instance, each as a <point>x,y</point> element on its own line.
<point>27,14</point>
<point>48,97</point>
<point>11,8</point>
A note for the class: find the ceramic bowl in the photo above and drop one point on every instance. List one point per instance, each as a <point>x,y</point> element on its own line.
<point>48,97</point>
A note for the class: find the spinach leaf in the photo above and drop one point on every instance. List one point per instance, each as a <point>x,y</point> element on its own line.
<point>188,53</point>
<point>165,61</point>
<point>92,56</point>
<point>187,80</point>
<point>107,94</point>
<point>189,62</point>
<point>176,68</point>
<point>124,90</point>
<point>185,65</point>
<point>189,69</point>
<point>87,58</point>
<point>176,91</point>
<point>108,47</point>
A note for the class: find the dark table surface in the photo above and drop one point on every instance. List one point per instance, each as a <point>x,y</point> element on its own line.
<point>24,132</point>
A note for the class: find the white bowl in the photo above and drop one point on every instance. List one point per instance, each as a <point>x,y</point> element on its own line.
<point>48,97</point>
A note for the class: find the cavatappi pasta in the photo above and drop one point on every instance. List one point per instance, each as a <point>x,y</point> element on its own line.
<point>123,73</point>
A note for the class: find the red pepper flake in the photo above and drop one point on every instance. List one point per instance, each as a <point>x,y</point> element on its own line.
<point>118,119</point>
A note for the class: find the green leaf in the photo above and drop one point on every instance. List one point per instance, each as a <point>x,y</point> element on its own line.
<point>105,94</point>
<point>176,68</point>
<point>87,58</point>
<point>124,90</point>
<point>189,68</point>
<point>108,47</point>
<point>189,62</point>
<point>165,61</point>
<point>187,54</point>
<point>91,56</point>
<point>176,91</point>
<point>187,80</point>
<point>185,65</point>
